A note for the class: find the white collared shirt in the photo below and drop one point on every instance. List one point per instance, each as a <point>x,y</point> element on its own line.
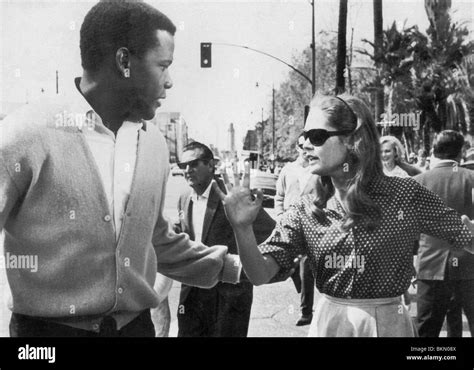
<point>115,158</point>
<point>438,162</point>
<point>199,211</point>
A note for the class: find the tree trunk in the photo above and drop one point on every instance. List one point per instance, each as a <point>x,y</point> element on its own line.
<point>378,42</point>
<point>341,48</point>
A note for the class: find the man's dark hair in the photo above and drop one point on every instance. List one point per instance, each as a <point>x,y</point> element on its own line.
<point>448,145</point>
<point>108,26</point>
<point>206,152</point>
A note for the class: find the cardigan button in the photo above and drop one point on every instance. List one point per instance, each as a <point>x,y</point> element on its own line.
<point>107,218</point>
<point>120,290</point>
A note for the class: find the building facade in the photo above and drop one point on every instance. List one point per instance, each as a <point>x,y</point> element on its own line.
<point>175,130</point>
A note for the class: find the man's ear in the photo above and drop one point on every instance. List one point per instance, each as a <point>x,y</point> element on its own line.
<point>212,165</point>
<point>122,61</point>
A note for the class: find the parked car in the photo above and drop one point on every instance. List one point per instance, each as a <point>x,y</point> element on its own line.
<point>267,183</point>
<point>176,171</point>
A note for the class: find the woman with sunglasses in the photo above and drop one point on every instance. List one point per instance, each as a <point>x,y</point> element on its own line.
<point>358,233</point>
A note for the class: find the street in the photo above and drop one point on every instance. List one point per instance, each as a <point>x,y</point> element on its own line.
<point>275,307</point>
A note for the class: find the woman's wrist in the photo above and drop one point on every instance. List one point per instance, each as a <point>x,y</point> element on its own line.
<point>243,229</point>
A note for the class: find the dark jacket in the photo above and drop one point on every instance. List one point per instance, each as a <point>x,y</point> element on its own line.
<point>436,259</point>
<point>216,228</point>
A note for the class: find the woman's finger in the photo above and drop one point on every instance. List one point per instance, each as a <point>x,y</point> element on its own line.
<point>218,191</point>
<point>236,174</point>
<point>246,181</point>
<point>468,223</point>
<point>227,183</point>
<point>258,197</point>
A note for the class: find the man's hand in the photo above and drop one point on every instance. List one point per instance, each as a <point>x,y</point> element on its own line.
<point>240,203</point>
<point>296,264</point>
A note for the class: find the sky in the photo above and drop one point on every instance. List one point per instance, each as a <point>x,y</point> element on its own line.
<point>37,38</point>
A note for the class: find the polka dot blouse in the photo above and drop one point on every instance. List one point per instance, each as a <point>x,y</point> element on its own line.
<point>361,263</point>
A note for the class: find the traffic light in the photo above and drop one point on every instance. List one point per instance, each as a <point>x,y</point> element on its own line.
<point>206,60</point>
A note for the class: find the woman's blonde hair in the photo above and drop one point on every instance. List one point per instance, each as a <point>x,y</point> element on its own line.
<point>396,145</point>
<point>363,156</point>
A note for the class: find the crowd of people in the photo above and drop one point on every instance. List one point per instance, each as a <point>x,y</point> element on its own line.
<point>88,200</point>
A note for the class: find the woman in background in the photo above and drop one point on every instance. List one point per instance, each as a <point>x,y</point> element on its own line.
<point>392,153</point>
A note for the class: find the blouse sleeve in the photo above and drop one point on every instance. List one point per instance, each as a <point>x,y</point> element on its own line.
<point>286,242</point>
<point>440,221</point>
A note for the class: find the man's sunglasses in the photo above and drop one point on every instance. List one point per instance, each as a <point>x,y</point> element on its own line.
<point>318,137</point>
<point>193,163</point>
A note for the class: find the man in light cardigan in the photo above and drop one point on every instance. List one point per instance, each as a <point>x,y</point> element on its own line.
<point>82,187</point>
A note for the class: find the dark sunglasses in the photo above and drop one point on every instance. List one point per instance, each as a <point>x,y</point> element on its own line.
<point>318,137</point>
<point>193,163</point>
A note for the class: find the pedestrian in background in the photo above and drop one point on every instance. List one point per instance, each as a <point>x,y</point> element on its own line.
<point>295,181</point>
<point>392,154</point>
<point>445,276</point>
<point>224,309</point>
<point>421,163</point>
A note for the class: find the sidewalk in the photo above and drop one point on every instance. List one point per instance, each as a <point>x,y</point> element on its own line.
<point>275,311</point>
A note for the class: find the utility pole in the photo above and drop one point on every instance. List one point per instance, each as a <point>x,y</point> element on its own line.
<point>313,53</point>
<point>262,128</point>
<point>349,63</point>
<point>378,45</point>
<point>57,83</point>
<point>341,48</point>
<point>273,123</point>
<point>313,47</point>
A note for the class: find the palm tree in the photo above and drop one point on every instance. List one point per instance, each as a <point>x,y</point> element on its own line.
<point>442,78</point>
<point>429,73</point>
<point>395,66</point>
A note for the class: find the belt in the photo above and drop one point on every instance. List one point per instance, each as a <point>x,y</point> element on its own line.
<point>363,302</point>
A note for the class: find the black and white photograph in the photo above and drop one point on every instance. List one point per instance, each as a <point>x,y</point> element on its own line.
<point>237,169</point>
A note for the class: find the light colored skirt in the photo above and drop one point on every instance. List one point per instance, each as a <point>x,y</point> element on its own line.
<point>382,317</point>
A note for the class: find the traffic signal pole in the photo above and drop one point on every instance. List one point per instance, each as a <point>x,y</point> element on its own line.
<point>257,51</point>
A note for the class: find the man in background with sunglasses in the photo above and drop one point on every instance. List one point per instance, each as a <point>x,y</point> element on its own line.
<point>224,310</point>
<point>294,181</point>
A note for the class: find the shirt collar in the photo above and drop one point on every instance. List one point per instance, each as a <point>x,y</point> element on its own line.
<point>445,163</point>
<point>195,197</point>
<point>300,161</point>
<point>377,186</point>
<point>86,119</point>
